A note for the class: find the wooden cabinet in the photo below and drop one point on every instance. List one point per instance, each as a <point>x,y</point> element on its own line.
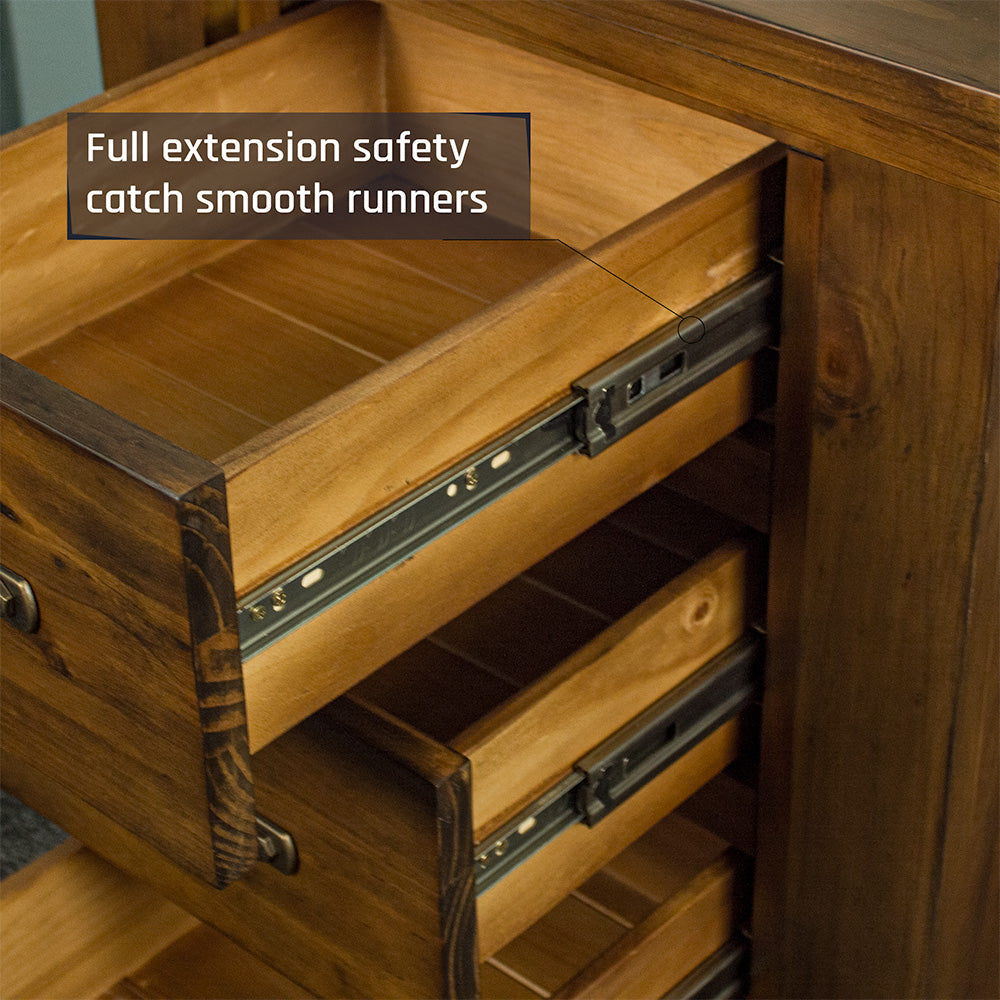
<point>236,408</point>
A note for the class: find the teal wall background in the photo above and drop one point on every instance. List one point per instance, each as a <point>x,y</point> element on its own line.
<point>49,58</point>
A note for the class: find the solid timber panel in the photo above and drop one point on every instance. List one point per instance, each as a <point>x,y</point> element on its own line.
<point>131,689</point>
<point>71,925</point>
<point>893,783</point>
<point>798,89</point>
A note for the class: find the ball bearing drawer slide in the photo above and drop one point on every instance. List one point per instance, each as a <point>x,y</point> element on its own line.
<point>604,405</point>
<point>629,759</point>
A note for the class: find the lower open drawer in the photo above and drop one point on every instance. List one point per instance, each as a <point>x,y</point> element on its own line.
<point>663,917</point>
<point>652,916</point>
<point>398,819</point>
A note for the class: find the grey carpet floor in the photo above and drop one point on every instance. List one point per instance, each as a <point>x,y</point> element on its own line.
<point>24,835</point>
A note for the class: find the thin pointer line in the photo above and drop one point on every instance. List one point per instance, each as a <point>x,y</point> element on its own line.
<point>555,239</point>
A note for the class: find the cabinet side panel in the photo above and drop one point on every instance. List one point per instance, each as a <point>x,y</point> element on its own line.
<point>131,690</point>
<point>796,379</point>
<point>892,832</point>
<point>964,929</point>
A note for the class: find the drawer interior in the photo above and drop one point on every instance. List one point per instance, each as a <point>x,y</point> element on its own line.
<point>647,919</point>
<point>555,650</point>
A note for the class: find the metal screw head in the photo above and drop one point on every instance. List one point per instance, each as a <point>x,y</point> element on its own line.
<point>257,613</point>
<point>471,478</point>
<point>279,599</point>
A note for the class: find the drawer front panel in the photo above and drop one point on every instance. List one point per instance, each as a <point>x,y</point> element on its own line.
<point>130,688</point>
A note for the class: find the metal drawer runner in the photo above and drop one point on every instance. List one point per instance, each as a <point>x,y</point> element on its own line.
<point>629,759</point>
<point>602,407</point>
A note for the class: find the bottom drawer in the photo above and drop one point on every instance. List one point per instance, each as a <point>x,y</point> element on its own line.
<point>648,919</point>
<point>662,919</point>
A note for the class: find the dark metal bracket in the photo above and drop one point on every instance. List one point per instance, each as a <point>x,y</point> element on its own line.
<point>669,364</point>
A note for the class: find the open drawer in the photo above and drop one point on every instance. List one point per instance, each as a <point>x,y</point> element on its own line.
<point>186,424</point>
<point>662,915</point>
<point>394,889</point>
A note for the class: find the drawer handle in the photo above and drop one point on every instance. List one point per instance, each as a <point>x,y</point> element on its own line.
<point>18,601</point>
<point>276,846</point>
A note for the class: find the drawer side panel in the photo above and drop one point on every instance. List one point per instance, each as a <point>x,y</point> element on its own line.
<point>131,689</point>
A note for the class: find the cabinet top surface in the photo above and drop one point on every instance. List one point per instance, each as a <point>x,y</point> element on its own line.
<point>957,40</point>
<point>914,84</point>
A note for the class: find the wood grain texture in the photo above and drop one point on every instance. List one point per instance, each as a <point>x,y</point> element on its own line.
<point>50,284</point>
<point>131,689</point>
<point>143,394</point>
<point>788,85</point>
<point>599,688</point>
<point>584,934</point>
<point>886,788</point>
<point>356,451</point>
<point>602,155</point>
<point>237,351</point>
<point>205,965</point>
<point>954,39</point>
<point>71,924</point>
<point>684,931</point>
<point>560,943</point>
<point>658,865</point>
<point>510,906</point>
<point>497,984</point>
<point>337,286</point>
<point>434,689</point>
<point>378,907</point>
<point>327,655</point>
<point>789,527</point>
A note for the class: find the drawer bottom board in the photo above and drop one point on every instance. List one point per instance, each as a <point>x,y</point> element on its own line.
<point>639,926</point>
